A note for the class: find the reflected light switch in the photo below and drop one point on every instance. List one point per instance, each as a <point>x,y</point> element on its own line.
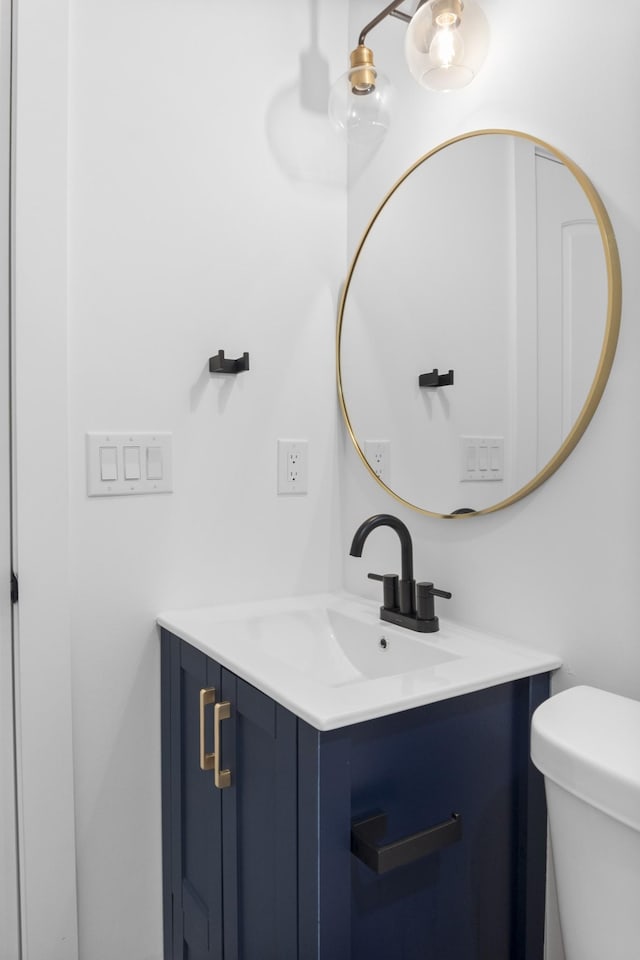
<point>154,463</point>
<point>482,459</point>
<point>108,463</point>
<point>471,457</point>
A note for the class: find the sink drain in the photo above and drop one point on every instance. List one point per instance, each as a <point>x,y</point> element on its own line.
<point>383,643</point>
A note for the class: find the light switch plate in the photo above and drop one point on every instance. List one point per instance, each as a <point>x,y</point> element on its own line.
<point>481,459</point>
<point>135,443</point>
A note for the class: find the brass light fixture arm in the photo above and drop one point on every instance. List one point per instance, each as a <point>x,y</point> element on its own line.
<point>389,11</point>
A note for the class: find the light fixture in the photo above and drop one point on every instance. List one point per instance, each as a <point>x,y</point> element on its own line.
<point>445,45</point>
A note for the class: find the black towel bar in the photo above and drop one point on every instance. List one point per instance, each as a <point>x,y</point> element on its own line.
<point>398,853</point>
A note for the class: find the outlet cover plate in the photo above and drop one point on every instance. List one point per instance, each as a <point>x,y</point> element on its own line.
<point>292,466</point>
<point>378,454</point>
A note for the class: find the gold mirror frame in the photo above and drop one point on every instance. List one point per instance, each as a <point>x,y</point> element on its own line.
<point>610,340</point>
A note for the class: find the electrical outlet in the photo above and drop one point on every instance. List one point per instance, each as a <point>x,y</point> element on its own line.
<point>292,466</point>
<point>378,454</point>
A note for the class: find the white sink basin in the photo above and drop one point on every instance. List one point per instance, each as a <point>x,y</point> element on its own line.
<point>322,656</point>
<point>335,648</point>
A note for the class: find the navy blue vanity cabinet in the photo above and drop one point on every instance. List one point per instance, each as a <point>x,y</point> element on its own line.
<point>264,869</point>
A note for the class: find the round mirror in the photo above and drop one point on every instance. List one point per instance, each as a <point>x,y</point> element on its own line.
<point>478,323</point>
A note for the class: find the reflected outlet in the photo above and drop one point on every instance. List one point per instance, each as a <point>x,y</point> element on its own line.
<point>378,454</point>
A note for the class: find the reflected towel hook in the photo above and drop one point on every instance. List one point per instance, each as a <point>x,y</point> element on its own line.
<point>219,363</point>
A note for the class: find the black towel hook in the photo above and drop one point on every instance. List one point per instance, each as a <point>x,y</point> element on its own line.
<point>435,379</point>
<point>219,363</point>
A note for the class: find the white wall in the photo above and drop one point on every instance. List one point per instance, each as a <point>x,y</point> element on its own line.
<point>558,570</point>
<point>186,236</point>
<point>205,211</point>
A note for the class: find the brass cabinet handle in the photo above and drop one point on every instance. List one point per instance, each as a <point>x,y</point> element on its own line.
<point>207,697</point>
<point>221,778</point>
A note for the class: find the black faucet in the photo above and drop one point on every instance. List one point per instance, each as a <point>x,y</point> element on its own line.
<point>403,603</point>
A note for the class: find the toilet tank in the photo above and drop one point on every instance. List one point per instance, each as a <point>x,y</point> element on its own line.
<point>586,742</point>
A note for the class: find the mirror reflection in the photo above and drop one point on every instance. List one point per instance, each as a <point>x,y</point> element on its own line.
<point>478,323</point>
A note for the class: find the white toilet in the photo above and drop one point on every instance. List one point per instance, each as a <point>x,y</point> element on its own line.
<point>586,742</point>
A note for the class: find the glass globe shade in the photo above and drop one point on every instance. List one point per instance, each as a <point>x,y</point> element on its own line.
<point>363,117</point>
<point>446,43</point>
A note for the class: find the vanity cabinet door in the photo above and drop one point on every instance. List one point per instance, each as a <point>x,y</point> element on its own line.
<point>229,852</point>
<point>259,814</point>
<point>192,810</point>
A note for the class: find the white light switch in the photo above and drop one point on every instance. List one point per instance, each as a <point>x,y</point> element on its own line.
<point>132,463</point>
<point>108,463</point>
<point>154,463</point>
<point>120,464</point>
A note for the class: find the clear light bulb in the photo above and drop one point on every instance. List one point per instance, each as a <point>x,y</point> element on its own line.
<point>446,47</point>
<point>446,43</point>
<point>360,101</point>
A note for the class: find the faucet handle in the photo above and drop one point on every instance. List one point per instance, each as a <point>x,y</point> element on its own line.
<point>389,588</point>
<point>425,592</point>
<point>441,593</point>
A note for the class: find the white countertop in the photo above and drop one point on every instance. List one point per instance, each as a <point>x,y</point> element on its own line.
<point>320,656</point>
